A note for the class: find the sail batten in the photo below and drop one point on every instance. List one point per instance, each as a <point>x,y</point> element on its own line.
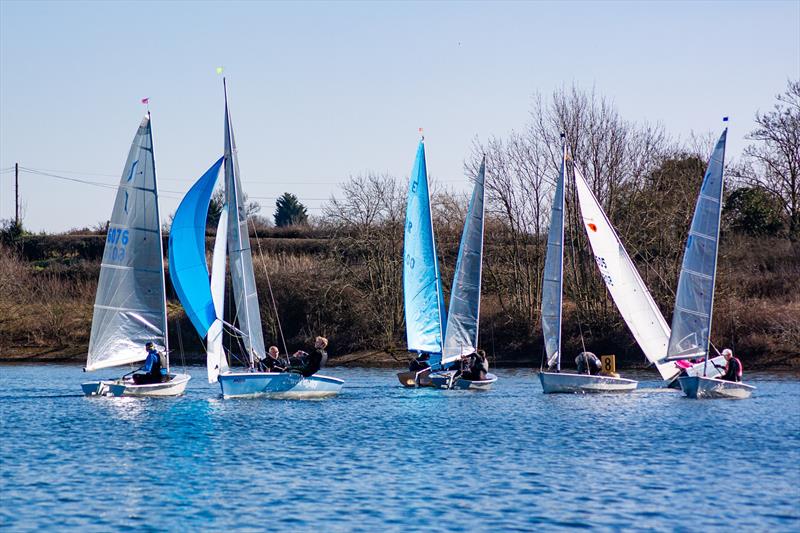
<point>463,317</point>
<point>553,278</point>
<point>422,288</point>
<point>694,299</point>
<point>622,279</point>
<point>129,308</point>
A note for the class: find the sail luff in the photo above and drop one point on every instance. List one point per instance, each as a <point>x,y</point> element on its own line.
<point>248,313</point>
<point>160,243</point>
<point>216,361</point>
<point>463,318</point>
<point>553,279</point>
<point>129,305</point>
<point>694,300</point>
<point>423,301</point>
<point>630,294</point>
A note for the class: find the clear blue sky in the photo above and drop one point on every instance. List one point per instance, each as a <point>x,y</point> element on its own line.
<point>320,91</point>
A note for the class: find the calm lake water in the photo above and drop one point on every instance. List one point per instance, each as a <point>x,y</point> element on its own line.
<point>380,457</point>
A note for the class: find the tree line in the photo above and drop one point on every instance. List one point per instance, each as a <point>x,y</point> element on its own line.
<point>340,274</point>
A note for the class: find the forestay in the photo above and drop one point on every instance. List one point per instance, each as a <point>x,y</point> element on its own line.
<point>422,287</point>
<point>216,361</point>
<point>622,280</point>
<point>245,296</point>
<point>130,308</point>
<point>552,283</point>
<point>694,301</point>
<point>461,333</point>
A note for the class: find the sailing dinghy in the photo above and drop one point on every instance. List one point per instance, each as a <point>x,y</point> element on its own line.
<point>630,294</point>
<point>694,302</point>
<point>423,301</point>
<point>130,306</point>
<point>552,304</point>
<point>463,318</point>
<point>203,298</point>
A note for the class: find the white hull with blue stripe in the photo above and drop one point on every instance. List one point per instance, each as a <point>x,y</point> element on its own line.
<point>699,387</point>
<point>288,385</point>
<point>567,383</point>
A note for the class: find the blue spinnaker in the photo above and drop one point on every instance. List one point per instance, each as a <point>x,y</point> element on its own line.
<point>187,252</point>
<point>422,284</point>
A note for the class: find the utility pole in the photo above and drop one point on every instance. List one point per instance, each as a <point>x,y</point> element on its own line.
<point>16,194</point>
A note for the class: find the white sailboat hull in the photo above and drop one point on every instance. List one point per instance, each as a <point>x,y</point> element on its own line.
<point>699,387</point>
<point>449,379</point>
<point>567,383</point>
<point>174,387</point>
<point>281,385</point>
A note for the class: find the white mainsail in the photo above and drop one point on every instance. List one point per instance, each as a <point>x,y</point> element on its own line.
<point>694,299</point>
<point>553,281</point>
<point>622,280</point>
<point>461,333</point>
<point>130,305</point>
<point>245,296</point>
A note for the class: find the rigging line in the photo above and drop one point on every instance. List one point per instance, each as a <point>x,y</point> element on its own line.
<point>87,182</point>
<point>271,295</point>
<point>575,265</point>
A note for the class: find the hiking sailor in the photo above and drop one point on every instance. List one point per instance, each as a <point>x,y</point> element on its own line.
<point>733,368</point>
<point>154,371</point>
<point>309,364</point>
<point>476,366</point>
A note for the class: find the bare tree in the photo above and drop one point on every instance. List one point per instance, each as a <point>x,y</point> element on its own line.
<point>773,162</point>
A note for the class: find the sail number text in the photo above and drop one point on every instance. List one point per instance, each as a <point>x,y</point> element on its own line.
<point>118,239</point>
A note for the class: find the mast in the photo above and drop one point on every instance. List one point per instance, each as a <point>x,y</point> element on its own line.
<point>160,241</point>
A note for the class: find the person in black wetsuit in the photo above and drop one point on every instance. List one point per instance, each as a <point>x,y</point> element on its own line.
<point>733,368</point>
<point>272,362</point>
<point>588,363</point>
<point>476,366</point>
<point>309,364</point>
<point>421,362</point>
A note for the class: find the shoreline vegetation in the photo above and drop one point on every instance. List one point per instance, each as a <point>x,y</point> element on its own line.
<point>339,275</point>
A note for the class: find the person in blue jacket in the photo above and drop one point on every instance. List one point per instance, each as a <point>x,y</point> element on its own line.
<point>152,367</point>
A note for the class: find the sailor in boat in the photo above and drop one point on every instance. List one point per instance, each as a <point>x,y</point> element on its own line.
<point>309,364</point>
<point>154,372</point>
<point>421,362</point>
<point>272,362</point>
<point>475,366</point>
<point>733,367</point>
<point>588,363</point>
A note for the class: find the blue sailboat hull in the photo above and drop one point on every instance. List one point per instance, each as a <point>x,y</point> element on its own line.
<point>699,387</point>
<point>278,385</point>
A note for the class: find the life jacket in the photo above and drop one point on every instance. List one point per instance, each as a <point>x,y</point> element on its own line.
<point>739,372</point>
